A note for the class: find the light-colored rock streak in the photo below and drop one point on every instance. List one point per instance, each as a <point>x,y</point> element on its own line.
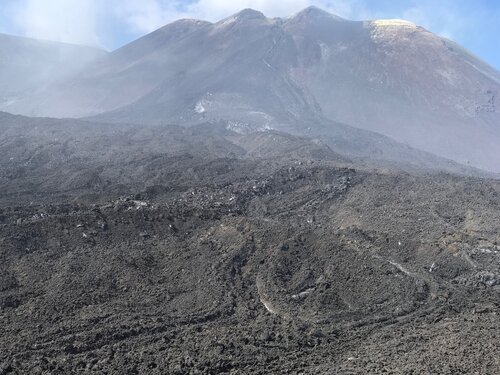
<point>401,268</point>
<point>268,307</point>
<point>263,297</point>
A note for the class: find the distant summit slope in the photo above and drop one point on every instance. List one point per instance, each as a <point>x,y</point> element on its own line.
<point>29,64</point>
<point>396,78</point>
<point>304,74</point>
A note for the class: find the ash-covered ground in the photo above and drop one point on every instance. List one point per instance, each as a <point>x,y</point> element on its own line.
<point>173,251</point>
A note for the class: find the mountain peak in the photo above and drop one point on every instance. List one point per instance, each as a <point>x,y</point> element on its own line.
<point>243,16</point>
<point>313,12</point>
<point>249,14</point>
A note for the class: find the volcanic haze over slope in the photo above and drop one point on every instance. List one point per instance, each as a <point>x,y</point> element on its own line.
<point>297,74</point>
<point>27,64</point>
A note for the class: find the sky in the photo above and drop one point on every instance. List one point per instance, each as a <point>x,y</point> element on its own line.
<point>110,24</point>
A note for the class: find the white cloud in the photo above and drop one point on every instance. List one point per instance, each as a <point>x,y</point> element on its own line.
<point>72,21</point>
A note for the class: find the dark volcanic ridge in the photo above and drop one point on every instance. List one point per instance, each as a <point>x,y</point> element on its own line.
<point>64,158</point>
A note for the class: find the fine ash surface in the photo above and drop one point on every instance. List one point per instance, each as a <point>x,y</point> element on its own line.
<point>206,252</point>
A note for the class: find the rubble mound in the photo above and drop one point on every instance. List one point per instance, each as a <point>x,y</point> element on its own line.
<point>232,258</point>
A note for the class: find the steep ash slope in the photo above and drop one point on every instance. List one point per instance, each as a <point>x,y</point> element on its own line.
<point>400,80</point>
